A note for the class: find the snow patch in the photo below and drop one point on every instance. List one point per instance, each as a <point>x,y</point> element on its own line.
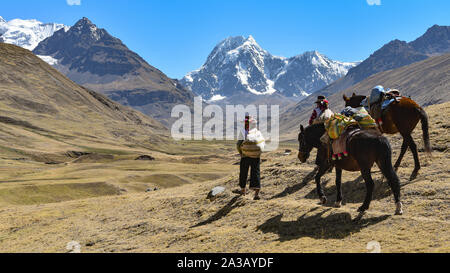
<point>216,98</point>
<point>48,59</point>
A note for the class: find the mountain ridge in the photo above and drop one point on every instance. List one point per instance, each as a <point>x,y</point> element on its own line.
<point>93,58</point>
<point>239,65</point>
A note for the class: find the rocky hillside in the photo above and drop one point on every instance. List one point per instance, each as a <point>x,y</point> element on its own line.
<point>42,111</point>
<point>395,54</point>
<point>427,82</point>
<point>91,57</point>
<point>239,66</point>
<point>435,41</point>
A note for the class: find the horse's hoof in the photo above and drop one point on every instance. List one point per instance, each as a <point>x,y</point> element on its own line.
<point>413,175</point>
<point>399,208</point>
<point>338,204</point>
<point>323,200</point>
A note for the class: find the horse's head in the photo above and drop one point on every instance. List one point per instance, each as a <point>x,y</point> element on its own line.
<point>354,101</point>
<point>304,146</point>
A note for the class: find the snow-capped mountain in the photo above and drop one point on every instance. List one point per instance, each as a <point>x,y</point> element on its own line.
<point>27,33</point>
<point>309,72</point>
<point>238,65</point>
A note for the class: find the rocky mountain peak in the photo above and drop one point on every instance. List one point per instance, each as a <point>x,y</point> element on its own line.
<point>314,57</point>
<point>238,65</point>
<point>437,29</point>
<point>435,41</point>
<point>84,24</point>
<point>229,48</point>
<point>90,56</point>
<point>85,27</point>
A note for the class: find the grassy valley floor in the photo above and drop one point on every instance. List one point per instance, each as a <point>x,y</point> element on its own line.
<point>101,201</point>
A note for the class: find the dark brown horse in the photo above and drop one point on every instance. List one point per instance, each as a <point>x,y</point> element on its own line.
<point>401,117</point>
<point>365,147</point>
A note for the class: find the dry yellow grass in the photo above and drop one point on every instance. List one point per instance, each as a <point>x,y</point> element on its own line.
<point>180,219</point>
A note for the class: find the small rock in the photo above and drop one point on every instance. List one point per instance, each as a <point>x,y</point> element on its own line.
<point>155,189</point>
<point>145,157</point>
<point>52,163</point>
<point>148,190</point>
<point>214,193</point>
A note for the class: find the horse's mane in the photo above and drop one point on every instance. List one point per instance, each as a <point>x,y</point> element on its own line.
<point>314,132</point>
<point>316,126</point>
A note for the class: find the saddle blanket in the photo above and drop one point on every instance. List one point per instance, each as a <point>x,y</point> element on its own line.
<point>339,145</point>
<point>336,125</point>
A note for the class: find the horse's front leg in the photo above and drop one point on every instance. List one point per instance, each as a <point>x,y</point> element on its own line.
<point>322,169</point>
<point>369,189</point>
<point>339,198</point>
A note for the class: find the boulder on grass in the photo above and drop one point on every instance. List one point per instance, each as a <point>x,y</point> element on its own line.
<point>214,193</point>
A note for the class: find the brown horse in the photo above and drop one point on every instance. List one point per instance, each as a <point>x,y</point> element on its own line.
<point>401,117</point>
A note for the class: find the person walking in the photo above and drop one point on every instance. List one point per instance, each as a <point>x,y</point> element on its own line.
<point>250,149</point>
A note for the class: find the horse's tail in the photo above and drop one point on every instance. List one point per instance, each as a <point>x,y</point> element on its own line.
<point>385,157</point>
<point>426,136</point>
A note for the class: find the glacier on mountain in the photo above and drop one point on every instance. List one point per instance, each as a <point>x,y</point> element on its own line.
<point>27,33</point>
<point>238,65</point>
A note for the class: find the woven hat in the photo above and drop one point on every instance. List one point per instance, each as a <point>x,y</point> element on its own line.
<point>320,99</point>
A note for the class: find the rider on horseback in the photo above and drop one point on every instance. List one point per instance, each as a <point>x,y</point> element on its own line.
<point>321,113</point>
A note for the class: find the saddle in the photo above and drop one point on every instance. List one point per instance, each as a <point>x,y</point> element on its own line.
<point>379,102</point>
<point>336,125</point>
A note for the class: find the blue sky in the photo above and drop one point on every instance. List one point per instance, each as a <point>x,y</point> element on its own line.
<point>176,36</point>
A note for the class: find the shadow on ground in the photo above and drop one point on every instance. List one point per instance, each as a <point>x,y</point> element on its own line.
<point>353,191</point>
<point>333,226</point>
<point>292,189</point>
<point>222,212</point>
